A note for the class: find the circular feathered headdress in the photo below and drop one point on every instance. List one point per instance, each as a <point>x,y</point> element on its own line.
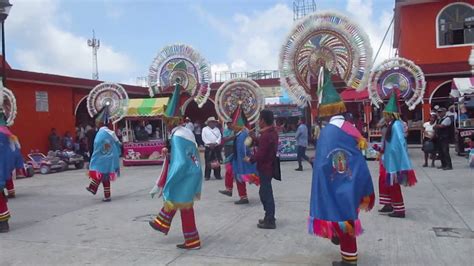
<point>324,40</point>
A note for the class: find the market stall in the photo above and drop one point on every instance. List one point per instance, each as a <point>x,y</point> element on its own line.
<point>463,90</point>
<point>286,117</point>
<point>144,134</point>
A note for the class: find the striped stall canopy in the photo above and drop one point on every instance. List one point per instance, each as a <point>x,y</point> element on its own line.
<point>461,86</point>
<point>146,107</point>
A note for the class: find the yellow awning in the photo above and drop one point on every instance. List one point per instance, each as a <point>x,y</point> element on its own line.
<point>146,107</point>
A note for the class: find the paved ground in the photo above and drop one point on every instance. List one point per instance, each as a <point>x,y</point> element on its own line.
<point>56,222</point>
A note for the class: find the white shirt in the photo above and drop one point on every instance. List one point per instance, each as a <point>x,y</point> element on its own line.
<point>429,129</point>
<point>149,129</point>
<point>446,121</point>
<point>211,136</point>
<point>337,120</point>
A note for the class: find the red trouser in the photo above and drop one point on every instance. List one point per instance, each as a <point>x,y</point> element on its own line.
<point>390,195</point>
<point>229,182</point>
<point>94,185</point>
<point>191,235</point>
<point>348,244</point>
<point>10,187</point>
<point>4,213</point>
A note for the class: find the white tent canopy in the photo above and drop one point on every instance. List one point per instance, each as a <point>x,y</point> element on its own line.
<point>462,86</point>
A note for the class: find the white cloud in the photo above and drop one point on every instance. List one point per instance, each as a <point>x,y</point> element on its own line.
<point>255,39</point>
<point>47,47</point>
<point>222,67</point>
<point>374,26</point>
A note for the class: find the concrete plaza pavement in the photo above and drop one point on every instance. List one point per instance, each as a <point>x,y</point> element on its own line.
<point>55,221</point>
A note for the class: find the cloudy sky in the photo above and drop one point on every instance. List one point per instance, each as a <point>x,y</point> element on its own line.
<point>237,35</point>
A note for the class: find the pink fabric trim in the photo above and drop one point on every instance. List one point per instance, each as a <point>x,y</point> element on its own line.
<point>351,130</point>
<point>327,229</point>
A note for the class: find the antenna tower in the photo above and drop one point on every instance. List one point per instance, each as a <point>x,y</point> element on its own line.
<point>94,44</point>
<point>301,8</point>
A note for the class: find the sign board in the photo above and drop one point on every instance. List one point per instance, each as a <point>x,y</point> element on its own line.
<point>42,104</point>
<point>269,92</point>
<point>286,111</point>
<point>287,147</point>
<point>272,100</point>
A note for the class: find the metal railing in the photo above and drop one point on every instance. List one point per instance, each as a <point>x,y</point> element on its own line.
<point>222,76</point>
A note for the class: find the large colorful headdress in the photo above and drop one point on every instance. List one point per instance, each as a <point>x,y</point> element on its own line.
<point>180,61</point>
<point>173,112</point>
<point>239,98</point>
<point>107,102</point>
<point>324,40</point>
<point>239,119</point>
<point>330,102</point>
<point>393,107</point>
<point>8,106</point>
<point>103,116</point>
<point>397,73</point>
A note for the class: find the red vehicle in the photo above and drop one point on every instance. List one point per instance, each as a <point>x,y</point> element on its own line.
<point>45,164</point>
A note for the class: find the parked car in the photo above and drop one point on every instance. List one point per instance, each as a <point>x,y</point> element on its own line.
<point>28,171</point>
<point>71,158</point>
<point>45,164</point>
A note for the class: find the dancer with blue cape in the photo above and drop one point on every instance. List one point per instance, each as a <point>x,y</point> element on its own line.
<point>342,184</point>
<point>395,168</point>
<point>10,159</point>
<point>236,167</point>
<point>104,166</point>
<point>181,179</point>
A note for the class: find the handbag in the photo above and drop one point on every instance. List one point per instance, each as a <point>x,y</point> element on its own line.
<point>215,164</point>
<point>277,168</point>
<point>428,146</point>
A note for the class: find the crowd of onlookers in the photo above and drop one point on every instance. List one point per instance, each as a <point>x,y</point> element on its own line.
<point>82,143</point>
<point>437,134</point>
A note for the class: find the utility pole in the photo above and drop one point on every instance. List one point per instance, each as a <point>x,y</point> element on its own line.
<point>94,44</point>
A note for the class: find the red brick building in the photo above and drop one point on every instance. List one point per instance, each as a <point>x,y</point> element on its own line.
<point>437,35</point>
<point>48,101</point>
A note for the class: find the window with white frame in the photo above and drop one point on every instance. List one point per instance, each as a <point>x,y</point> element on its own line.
<point>456,25</point>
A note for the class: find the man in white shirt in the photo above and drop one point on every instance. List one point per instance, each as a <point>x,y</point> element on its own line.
<point>149,129</point>
<point>211,136</point>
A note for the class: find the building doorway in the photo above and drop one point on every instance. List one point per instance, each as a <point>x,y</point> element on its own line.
<point>197,114</point>
<point>82,115</point>
<point>440,95</point>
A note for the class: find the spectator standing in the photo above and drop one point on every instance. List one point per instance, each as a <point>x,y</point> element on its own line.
<point>211,136</point>
<point>301,144</point>
<point>265,156</point>
<point>442,130</point>
<point>197,133</point>
<point>316,131</point>
<point>54,140</point>
<point>188,124</point>
<point>149,129</point>
<point>68,142</point>
<point>90,134</point>
<point>428,140</point>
